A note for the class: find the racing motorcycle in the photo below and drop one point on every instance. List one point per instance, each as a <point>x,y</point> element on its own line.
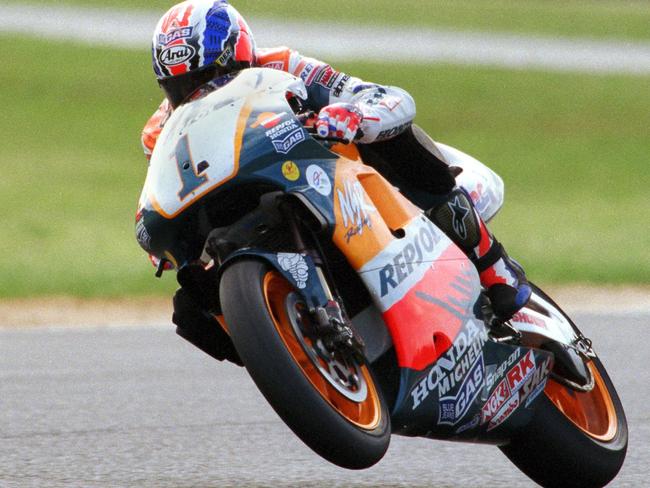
<point>355,315</point>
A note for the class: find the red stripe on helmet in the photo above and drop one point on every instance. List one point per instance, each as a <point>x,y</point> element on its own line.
<point>177,18</point>
<point>244,46</point>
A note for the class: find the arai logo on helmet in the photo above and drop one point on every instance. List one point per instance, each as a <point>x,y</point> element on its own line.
<point>178,54</point>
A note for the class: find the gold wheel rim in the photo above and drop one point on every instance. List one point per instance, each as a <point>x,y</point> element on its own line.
<point>365,414</point>
<point>592,412</point>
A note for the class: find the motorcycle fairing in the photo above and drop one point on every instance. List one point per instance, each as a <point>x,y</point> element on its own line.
<point>429,295</point>
<point>410,267</point>
<point>191,140</point>
<point>211,130</point>
<point>239,134</point>
<point>478,391</point>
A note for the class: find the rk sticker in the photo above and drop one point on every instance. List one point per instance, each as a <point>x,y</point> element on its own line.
<point>318,180</point>
<point>511,391</point>
<point>290,171</point>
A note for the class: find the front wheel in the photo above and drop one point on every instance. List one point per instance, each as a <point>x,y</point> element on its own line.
<point>576,439</point>
<point>328,399</point>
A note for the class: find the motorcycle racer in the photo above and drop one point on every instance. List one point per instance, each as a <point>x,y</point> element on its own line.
<point>208,41</point>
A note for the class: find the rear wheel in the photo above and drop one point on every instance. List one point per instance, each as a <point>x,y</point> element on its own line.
<point>327,398</point>
<point>576,439</point>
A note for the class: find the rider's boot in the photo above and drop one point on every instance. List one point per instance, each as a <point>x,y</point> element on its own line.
<point>503,278</point>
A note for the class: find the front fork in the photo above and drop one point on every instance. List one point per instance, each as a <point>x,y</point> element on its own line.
<point>306,270</point>
<point>333,324</point>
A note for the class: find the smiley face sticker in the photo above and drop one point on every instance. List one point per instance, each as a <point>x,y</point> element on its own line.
<point>290,171</point>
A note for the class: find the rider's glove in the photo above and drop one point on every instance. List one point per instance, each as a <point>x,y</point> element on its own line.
<point>340,120</point>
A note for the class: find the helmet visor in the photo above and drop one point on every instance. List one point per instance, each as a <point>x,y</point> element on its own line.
<point>178,88</point>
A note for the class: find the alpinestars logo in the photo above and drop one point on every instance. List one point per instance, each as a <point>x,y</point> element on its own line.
<point>459,214</point>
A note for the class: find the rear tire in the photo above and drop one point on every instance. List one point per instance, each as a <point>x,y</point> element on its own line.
<point>347,423</point>
<point>575,439</point>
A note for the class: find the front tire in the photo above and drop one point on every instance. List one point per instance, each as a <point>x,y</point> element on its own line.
<point>333,405</point>
<point>575,439</point>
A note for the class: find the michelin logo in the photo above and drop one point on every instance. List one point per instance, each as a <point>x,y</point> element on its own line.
<point>455,366</point>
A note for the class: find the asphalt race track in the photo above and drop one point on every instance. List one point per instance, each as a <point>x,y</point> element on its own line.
<point>137,406</point>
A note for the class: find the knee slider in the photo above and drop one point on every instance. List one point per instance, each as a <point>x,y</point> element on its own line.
<point>456,217</point>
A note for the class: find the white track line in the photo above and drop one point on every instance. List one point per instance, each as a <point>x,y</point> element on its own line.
<point>133,29</point>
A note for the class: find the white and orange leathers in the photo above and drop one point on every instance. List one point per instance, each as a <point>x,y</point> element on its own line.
<point>387,110</point>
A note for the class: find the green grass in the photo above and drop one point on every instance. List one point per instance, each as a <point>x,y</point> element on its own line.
<point>72,165</point>
<point>627,19</point>
<point>573,150</point>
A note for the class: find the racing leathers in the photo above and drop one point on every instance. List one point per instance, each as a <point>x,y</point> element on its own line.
<point>386,111</point>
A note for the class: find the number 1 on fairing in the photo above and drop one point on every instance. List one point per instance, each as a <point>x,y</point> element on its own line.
<point>190,178</point>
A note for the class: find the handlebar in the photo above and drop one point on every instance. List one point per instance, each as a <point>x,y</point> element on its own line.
<point>334,140</point>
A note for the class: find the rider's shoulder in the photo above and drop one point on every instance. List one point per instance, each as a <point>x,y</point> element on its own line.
<point>154,125</point>
<point>274,57</point>
<point>160,116</point>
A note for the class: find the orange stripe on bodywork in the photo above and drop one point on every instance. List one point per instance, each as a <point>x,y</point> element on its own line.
<point>222,322</point>
<point>349,151</point>
<point>239,135</point>
<point>369,212</point>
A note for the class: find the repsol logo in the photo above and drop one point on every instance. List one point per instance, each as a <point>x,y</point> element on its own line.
<point>455,365</point>
<point>174,55</point>
<point>411,257</point>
